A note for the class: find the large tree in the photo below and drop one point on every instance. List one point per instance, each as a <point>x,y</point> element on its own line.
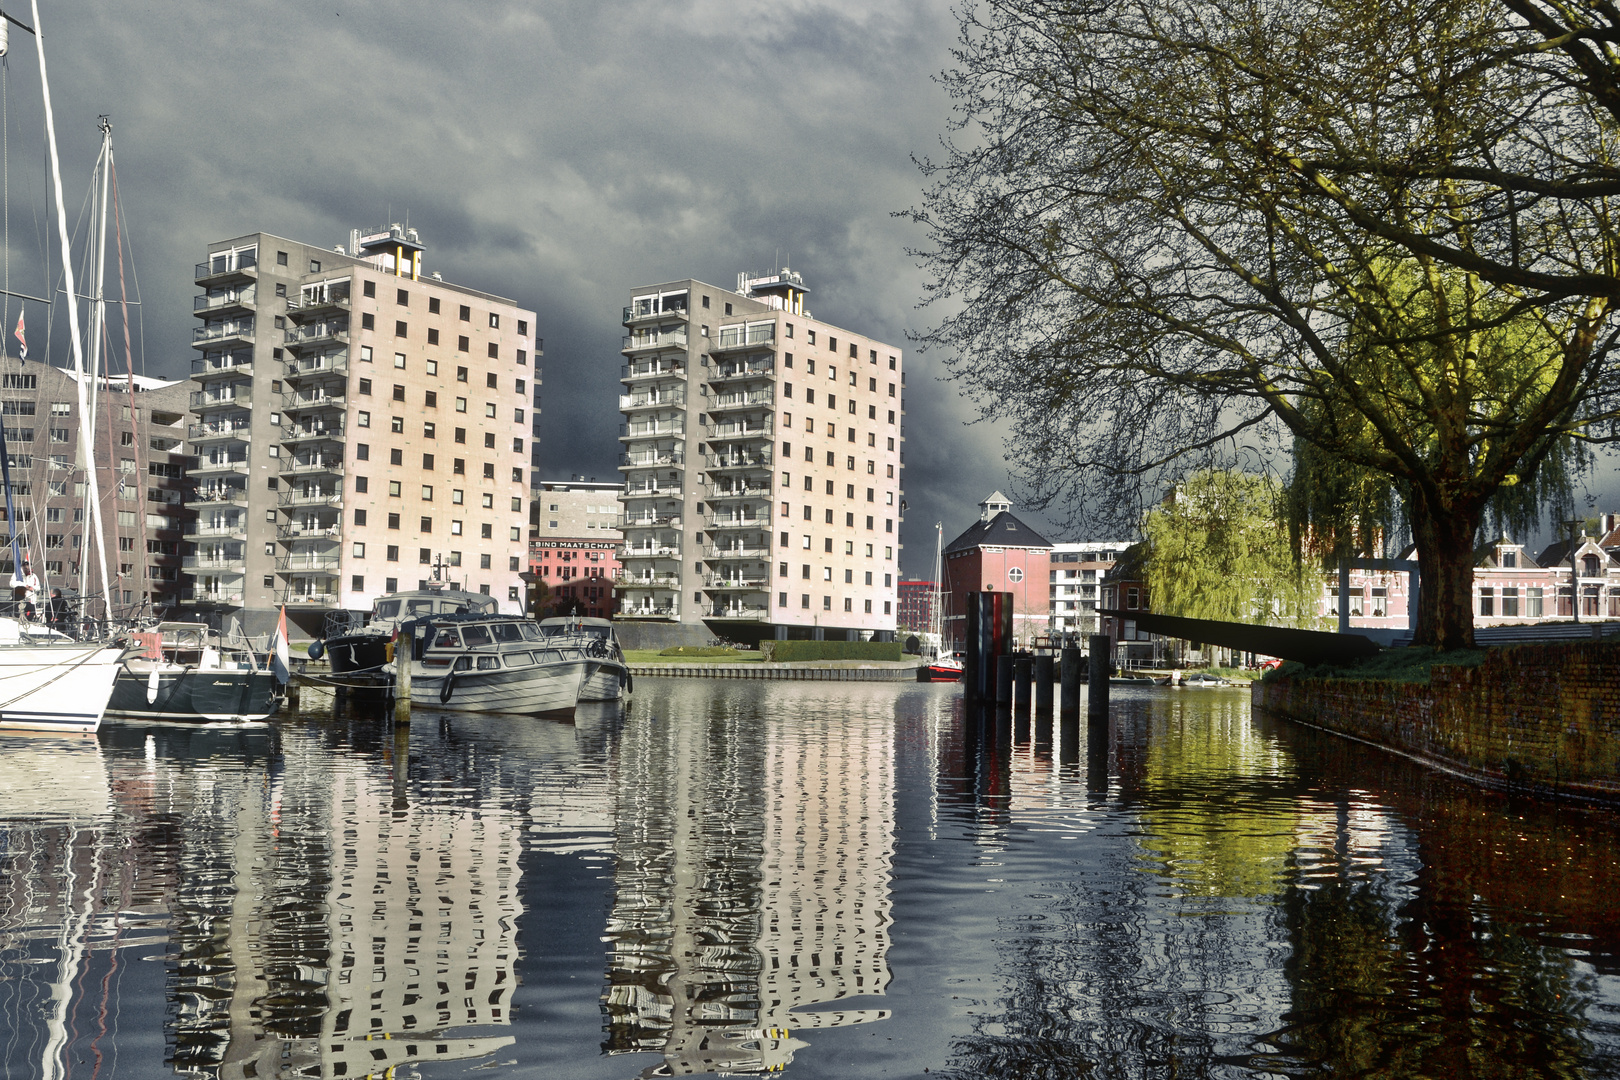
<point>1375,232</point>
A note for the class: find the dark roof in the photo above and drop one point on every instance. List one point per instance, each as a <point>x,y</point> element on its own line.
<point>1485,558</point>
<point>1558,553</point>
<point>1003,530</point>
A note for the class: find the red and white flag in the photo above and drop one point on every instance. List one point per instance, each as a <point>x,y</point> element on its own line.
<point>278,650</point>
<point>21,335</point>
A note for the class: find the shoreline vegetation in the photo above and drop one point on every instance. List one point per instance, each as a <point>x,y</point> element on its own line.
<point>1414,664</point>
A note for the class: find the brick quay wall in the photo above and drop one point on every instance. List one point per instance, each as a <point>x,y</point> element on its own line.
<point>1538,718</point>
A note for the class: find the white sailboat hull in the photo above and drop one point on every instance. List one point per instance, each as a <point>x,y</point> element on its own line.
<point>57,687</point>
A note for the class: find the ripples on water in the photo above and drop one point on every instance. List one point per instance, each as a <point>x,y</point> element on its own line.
<point>830,880</point>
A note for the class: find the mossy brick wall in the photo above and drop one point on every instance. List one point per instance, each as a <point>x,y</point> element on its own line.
<point>1542,717</point>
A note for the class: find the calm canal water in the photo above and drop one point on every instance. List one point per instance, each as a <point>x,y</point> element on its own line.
<point>831,881</point>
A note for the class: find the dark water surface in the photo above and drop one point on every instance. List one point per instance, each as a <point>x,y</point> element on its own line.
<point>824,880</point>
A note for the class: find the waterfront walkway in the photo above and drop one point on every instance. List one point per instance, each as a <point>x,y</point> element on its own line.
<point>811,671</point>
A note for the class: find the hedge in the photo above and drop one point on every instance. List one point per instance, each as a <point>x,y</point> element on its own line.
<point>790,651</point>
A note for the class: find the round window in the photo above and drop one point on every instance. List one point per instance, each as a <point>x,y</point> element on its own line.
<point>1015,574</point>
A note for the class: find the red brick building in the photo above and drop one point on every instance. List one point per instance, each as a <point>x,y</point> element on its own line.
<point>574,543</point>
<point>916,605</point>
<point>998,553</point>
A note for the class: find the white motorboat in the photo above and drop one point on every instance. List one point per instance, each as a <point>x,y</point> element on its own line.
<point>611,680</point>
<point>495,663</point>
<point>49,682</point>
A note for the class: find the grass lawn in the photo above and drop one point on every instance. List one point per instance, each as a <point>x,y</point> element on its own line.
<point>654,656</point>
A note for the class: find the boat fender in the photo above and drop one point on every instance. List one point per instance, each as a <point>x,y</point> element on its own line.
<point>629,683</point>
<point>317,649</point>
<point>152,682</point>
<point>388,653</point>
<point>448,687</point>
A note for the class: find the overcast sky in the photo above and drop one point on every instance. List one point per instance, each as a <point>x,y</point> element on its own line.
<point>559,154</point>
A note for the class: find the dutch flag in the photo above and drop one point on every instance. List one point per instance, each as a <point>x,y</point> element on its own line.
<point>278,651</point>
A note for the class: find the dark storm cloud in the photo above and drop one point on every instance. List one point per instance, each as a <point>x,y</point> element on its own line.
<point>558,154</point>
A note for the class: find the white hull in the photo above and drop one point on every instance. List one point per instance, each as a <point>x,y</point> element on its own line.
<point>57,687</point>
<point>609,683</point>
<point>543,688</point>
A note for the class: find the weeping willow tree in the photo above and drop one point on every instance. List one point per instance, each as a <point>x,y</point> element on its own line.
<point>1216,550</point>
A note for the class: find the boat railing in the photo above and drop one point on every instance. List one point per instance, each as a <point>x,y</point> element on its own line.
<point>339,623</point>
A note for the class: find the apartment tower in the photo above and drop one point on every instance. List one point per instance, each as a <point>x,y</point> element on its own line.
<point>359,427</point>
<point>761,450</point>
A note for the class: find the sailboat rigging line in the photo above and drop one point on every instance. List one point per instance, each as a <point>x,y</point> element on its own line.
<point>14,21</point>
<point>143,559</point>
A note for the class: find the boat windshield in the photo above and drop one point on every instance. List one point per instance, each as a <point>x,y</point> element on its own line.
<point>387,609</point>
<point>533,632</point>
<point>507,631</point>
<point>448,638</point>
<point>484,604</point>
<point>476,636</point>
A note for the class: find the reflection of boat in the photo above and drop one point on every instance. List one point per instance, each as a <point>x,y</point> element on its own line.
<point>192,678</point>
<point>611,680</point>
<point>1132,680</point>
<point>940,664</point>
<point>1198,680</point>
<point>360,652</point>
<point>49,682</point>
<point>495,663</point>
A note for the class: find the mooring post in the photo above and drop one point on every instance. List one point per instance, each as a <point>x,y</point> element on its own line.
<point>402,675</point>
<point>1023,675</point>
<point>1069,695</point>
<point>1043,684</point>
<point>1004,680</point>
<point>1102,649</point>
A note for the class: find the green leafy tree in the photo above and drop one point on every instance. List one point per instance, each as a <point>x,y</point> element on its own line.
<point>1216,549</point>
<point>1374,234</point>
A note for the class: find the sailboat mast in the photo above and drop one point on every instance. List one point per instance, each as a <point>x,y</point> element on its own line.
<point>86,446</point>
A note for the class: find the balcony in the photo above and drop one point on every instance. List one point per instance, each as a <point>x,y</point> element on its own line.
<point>726,373</point>
<point>736,584</point>
<point>292,497</point>
<point>658,429</point>
<point>209,596</point>
<point>311,401</point>
<point>645,490</point>
<point>660,337</point>
<point>647,521</point>
<point>308,564</point>
<point>736,521</point>
<point>739,612</point>
<point>241,299</point>
<point>224,564</point>
<point>669,611</point>
<point>758,490</point>
<point>224,331</point>
<point>627,402</point>
<point>324,331</point>
<point>670,307</point>
<point>751,459</point>
<point>652,459</point>
<point>667,582</point>
<point>213,496</point>
<point>309,599</point>
<point>326,466</point>
<point>210,366</point>
<point>661,368</point>
<point>739,336</point>
<point>201,400</point>
<point>201,530</point>
<point>741,551</point>
<point>316,302</point>
<point>309,367</point>
<point>219,467</point>
<point>743,399</point>
<point>209,431</point>
<point>228,264</point>
<point>669,549</point>
<point>742,429</point>
<point>309,532</point>
<point>328,432</point>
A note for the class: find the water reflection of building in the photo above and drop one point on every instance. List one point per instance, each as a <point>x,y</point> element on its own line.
<point>752,883</point>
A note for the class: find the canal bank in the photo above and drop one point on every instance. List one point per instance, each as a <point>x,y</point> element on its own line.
<point>1537,718</point>
<point>811,671</point>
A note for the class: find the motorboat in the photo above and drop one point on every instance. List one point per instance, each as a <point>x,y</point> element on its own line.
<point>478,662</point>
<point>184,674</point>
<point>357,645</point>
<point>50,682</point>
<point>611,680</point>
<point>1199,679</point>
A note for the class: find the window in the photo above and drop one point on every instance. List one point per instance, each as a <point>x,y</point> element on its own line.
<point>426,525</point>
<point>1487,601</point>
<point>466,313</point>
<point>393,488</point>
<point>458,465</point>
<point>359,517</point>
<point>396,456</point>
<point>399,331</point>
<point>433,305</point>
<point>489,440</point>
<point>360,483</point>
<point>368,321</point>
<point>393,521</point>
<point>463,343</point>
<point>455,527</point>
<point>461,376</point>
<point>1532,603</point>
<point>362,419</point>
<point>1510,561</point>
<point>1510,603</point>
<point>281,260</point>
<point>494,351</point>
<point>424,556</point>
<point>427,492</point>
<point>362,451</point>
<point>427,462</point>
<point>397,424</point>
<point>399,392</point>
<point>487,531</point>
<point>489,409</point>
<point>430,399</point>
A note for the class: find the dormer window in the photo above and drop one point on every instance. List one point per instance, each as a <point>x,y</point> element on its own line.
<point>1510,559</point>
<point>1590,566</point>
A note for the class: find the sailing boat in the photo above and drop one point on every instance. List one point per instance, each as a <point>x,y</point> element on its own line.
<point>940,662</point>
<point>48,681</point>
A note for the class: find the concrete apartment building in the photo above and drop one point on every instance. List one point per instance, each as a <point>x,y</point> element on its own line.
<point>358,427</point>
<point>140,475</point>
<point>574,543</point>
<point>761,451</point>
<point>1075,576</point>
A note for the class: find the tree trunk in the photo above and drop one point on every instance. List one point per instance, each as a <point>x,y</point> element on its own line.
<point>1445,551</point>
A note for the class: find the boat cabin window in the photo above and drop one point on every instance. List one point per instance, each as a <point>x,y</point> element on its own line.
<point>419,607</point>
<point>533,632</point>
<point>463,663</point>
<point>448,639</point>
<point>476,636</point>
<point>507,632</point>
<point>387,609</point>
<point>487,663</point>
<point>519,659</point>
<point>450,607</point>
<point>486,604</point>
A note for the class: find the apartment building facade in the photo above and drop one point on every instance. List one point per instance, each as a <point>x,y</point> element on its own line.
<point>574,544</point>
<point>140,477</point>
<point>359,427</point>
<point>1075,576</point>
<point>762,453</point>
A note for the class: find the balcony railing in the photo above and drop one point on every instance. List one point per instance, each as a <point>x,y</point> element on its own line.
<point>756,429</point>
<point>738,336</point>
<point>234,495</point>
<point>205,596</point>
<point>236,529</point>
<point>648,491</point>
<point>666,581</point>
<point>664,337</point>
<point>748,612</point>
<point>736,584</point>
<point>650,611</point>
<point>651,401</point>
<point>333,432</point>
<point>754,458</point>
<point>649,308</point>
<point>306,367</point>
<point>656,369</point>
<point>294,467</point>
<point>750,399</point>
<point>316,331</point>
<point>211,562</point>
<point>310,303</point>
<point>241,298</point>
<point>231,328</point>
<point>310,599</point>
<point>741,551</point>
<point>737,521</point>
<point>728,372</point>
<point>308,532</point>
<point>228,262</point>
<point>222,365</point>
<point>203,399</point>
<point>652,430</point>
<point>218,429</point>
<point>647,521</point>
<point>652,459</point>
<point>308,564</point>
<point>666,550</point>
<point>296,402</point>
<point>310,498</point>
<point>761,489</point>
